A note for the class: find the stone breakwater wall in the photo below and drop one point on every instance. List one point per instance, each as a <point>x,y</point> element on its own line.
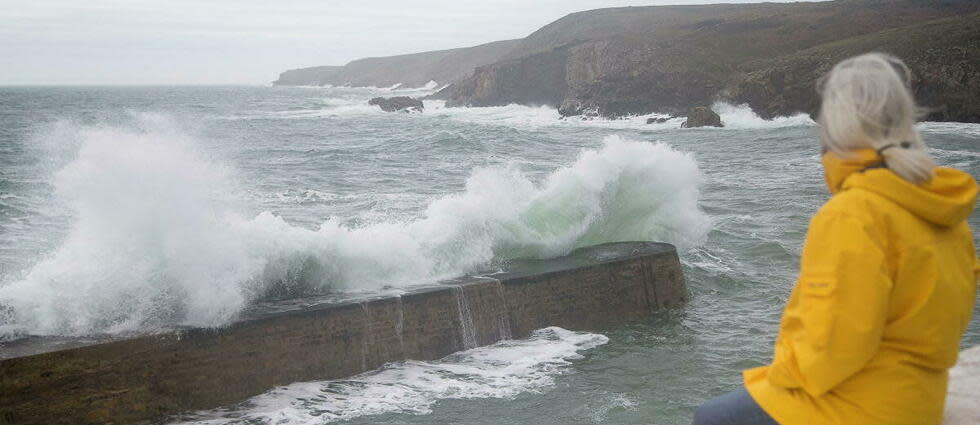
<point>147,378</point>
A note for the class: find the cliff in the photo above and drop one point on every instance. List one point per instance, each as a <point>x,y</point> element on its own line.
<point>638,60</point>
<point>944,56</point>
<point>412,70</point>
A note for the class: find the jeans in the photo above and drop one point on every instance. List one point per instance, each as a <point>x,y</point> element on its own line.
<point>734,408</point>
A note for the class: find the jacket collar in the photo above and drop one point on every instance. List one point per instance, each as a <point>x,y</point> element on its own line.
<point>947,199</point>
<point>837,167</point>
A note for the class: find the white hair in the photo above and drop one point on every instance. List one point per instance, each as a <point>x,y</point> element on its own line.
<point>867,103</point>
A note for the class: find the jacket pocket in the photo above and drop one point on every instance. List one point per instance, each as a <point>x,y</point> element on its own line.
<point>819,315</point>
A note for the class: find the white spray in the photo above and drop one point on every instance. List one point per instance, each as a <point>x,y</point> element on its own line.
<point>155,241</point>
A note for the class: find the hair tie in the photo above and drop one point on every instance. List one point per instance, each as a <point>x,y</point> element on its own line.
<point>903,145</point>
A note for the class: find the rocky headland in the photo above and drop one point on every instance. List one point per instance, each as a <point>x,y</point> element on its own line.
<point>670,59</point>
<point>412,70</point>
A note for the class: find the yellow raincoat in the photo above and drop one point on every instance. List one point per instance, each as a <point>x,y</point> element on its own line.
<point>888,280</point>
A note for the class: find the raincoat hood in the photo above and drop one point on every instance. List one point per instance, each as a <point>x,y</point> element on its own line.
<point>946,200</point>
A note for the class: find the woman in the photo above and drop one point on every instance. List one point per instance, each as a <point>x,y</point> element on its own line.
<point>888,274</point>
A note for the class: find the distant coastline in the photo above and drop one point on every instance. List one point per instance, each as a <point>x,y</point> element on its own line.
<point>411,70</point>
<point>667,59</point>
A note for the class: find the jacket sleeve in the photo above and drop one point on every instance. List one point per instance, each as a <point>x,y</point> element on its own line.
<point>834,321</point>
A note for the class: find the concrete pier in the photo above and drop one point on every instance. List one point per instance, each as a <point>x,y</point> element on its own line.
<point>145,378</point>
<point>963,399</point>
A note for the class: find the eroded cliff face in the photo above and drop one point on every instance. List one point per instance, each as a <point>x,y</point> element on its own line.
<point>623,76</point>
<point>944,56</point>
<point>614,62</point>
<point>538,79</point>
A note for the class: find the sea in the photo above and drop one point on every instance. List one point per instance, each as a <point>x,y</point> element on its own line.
<point>126,210</point>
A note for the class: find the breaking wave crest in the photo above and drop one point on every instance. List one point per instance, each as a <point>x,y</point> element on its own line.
<point>157,239</point>
<point>737,117</point>
<point>345,102</point>
<point>743,117</point>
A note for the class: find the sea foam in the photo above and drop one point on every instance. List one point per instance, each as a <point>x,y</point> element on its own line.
<point>743,117</point>
<point>158,239</point>
<point>734,117</point>
<point>503,370</point>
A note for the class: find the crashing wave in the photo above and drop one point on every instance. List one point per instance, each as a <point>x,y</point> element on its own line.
<point>157,239</point>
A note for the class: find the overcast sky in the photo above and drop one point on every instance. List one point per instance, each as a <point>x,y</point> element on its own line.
<point>248,41</point>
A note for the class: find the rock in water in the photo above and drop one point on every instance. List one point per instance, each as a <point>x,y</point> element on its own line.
<point>702,116</point>
<point>398,104</point>
<point>660,120</point>
<point>571,108</point>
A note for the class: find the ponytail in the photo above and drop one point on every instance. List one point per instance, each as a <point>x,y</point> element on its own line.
<point>908,161</point>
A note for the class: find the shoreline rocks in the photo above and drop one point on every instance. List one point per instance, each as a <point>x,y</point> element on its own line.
<point>398,104</point>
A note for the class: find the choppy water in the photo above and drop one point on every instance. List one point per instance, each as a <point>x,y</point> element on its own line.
<point>131,209</point>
